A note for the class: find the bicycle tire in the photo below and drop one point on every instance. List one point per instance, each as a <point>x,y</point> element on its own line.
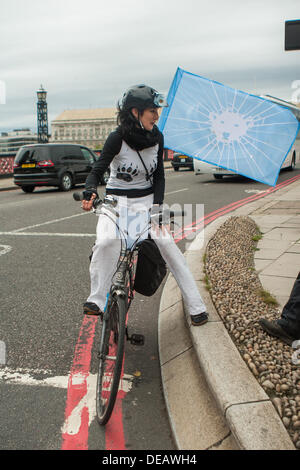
<point>109,373</point>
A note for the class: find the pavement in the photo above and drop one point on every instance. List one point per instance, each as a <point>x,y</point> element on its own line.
<point>6,183</point>
<point>213,399</point>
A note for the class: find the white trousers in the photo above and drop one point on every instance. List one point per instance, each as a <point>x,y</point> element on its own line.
<point>134,217</point>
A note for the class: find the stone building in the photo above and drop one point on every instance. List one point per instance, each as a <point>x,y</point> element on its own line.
<point>88,127</point>
<point>10,142</point>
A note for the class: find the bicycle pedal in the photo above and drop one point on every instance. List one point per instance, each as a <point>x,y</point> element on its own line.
<point>138,340</point>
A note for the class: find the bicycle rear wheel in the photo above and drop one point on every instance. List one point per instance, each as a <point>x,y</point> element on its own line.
<point>111,359</point>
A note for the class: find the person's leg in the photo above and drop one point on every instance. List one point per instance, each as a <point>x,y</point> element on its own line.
<point>290,317</point>
<point>133,216</point>
<point>287,327</point>
<point>105,256</point>
<point>177,264</point>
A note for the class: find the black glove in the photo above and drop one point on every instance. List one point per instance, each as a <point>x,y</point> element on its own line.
<point>87,194</point>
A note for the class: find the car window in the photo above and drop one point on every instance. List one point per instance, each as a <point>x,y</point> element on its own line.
<point>72,152</point>
<point>23,155</point>
<point>88,155</point>
<point>36,154</point>
<point>57,152</point>
<point>40,153</point>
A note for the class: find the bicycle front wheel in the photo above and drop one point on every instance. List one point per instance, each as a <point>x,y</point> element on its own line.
<point>111,360</point>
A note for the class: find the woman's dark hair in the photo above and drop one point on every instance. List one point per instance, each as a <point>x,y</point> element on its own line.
<point>126,120</point>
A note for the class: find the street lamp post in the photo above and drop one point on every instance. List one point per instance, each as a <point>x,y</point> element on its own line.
<point>42,116</point>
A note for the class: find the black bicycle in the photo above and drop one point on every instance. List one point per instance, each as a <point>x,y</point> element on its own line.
<point>114,329</point>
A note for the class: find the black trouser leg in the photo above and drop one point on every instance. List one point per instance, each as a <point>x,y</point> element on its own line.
<point>290,317</point>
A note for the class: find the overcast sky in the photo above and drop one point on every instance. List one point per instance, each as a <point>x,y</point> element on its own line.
<point>87,52</point>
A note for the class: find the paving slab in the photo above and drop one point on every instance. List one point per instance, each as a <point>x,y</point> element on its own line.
<point>261,264</point>
<point>287,265</point>
<point>270,253</point>
<point>283,234</point>
<point>278,286</point>
<point>280,245</point>
<point>269,220</point>
<point>292,195</point>
<point>295,248</point>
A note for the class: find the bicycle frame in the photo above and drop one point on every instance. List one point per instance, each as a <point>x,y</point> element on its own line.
<point>114,329</point>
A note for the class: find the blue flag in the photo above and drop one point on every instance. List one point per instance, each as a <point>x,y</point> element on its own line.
<point>244,133</point>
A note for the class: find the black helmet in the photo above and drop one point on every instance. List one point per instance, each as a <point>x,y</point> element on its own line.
<point>142,97</point>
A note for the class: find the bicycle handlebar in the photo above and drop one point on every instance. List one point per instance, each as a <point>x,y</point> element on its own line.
<point>79,197</point>
<point>166,213</point>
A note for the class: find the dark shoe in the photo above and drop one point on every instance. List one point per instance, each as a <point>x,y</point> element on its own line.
<point>199,319</point>
<point>89,308</point>
<point>274,329</point>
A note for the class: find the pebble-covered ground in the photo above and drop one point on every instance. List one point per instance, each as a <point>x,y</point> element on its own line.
<point>235,289</point>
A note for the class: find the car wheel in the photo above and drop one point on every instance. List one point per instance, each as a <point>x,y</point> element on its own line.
<point>28,189</point>
<point>105,177</point>
<point>176,168</point>
<point>218,177</point>
<point>66,182</point>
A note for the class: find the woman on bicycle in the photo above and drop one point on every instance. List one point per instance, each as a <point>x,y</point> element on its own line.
<point>134,153</point>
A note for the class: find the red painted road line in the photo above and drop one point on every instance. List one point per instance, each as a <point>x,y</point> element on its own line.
<point>203,221</point>
<point>77,386</point>
<point>114,432</point>
<point>245,200</point>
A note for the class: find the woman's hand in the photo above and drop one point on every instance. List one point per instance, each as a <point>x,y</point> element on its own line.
<point>87,205</point>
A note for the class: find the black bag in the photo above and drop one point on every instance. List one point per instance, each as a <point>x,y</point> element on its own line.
<point>151,268</point>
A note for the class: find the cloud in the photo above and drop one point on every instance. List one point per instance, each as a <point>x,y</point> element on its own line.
<point>87,53</point>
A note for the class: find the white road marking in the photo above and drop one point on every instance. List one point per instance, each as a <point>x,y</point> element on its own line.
<point>178,191</point>
<point>49,234</point>
<point>72,424</point>
<point>2,353</point>
<point>25,377</point>
<point>256,191</point>
<point>49,222</point>
<point>4,249</point>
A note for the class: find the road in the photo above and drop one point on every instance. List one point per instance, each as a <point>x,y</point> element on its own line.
<point>45,242</point>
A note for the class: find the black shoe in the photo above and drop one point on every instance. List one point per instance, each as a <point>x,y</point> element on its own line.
<point>199,319</point>
<point>89,308</point>
<point>276,330</point>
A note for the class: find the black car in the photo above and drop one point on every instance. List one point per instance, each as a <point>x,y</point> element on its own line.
<point>182,161</point>
<point>61,165</point>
